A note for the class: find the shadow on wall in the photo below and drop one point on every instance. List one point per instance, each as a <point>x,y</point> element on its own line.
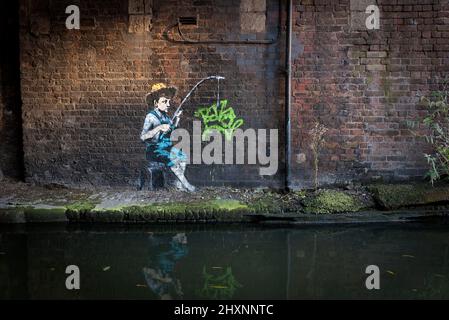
<point>11,151</point>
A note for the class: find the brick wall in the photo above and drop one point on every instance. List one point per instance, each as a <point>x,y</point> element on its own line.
<point>10,113</point>
<point>362,84</point>
<point>83,90</point>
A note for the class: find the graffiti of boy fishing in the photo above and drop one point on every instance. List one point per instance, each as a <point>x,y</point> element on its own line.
<point>219,119</point>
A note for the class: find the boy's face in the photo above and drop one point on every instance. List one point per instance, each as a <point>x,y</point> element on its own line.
<point>162,104</point>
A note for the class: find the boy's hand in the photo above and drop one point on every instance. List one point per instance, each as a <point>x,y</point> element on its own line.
<point>164,127</point>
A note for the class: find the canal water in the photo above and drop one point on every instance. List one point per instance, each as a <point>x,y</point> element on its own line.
<point>225,261</point>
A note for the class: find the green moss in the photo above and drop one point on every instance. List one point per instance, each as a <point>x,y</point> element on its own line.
<point>44,211</point>
<point>227,205</point>
<point>301,194</point>
<point>404,195</point>
<point>81,206</point>
<point>105,216</point>
<point>78,210</point>
<point>44,214</point>
<point>186,210</point>
<point>369,79</point>
<point>265,205</point>
<point>331,201</point>
<point>118,208</point>
<point>386,87</point>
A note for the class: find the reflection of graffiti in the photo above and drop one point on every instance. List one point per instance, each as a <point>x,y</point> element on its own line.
<point>220,118</point>
<point>159,275</point>
<point>219,285</point>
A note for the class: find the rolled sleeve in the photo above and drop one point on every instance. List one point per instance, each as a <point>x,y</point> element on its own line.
<point>150,123</point>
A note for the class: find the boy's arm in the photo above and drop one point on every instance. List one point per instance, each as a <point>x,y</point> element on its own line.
<point>151,128</point>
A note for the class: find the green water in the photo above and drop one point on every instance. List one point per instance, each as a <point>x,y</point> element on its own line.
<point>225,262</point>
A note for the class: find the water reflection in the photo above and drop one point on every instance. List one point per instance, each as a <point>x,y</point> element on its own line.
<point>219,284</point>
<point>164,254</point>
<point>225,262</point>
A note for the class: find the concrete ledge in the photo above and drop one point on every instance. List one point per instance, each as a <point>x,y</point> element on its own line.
<point>52,215</point>
<point>45,214</point>
<point>356,218</point>
<point>13,215</point>
<point>351,205</point>
<point>403,195</point>
<point>205,211</point>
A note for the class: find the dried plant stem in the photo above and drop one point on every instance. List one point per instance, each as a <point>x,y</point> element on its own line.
<point>317,134</point>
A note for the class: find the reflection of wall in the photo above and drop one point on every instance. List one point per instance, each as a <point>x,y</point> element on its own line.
<point>247,254</point>
<point>13,266</point>
<point>49,254</point>
<point>127,254</point>
<point>83,91</point>
<point>330,264</point>
<point>311,263</point>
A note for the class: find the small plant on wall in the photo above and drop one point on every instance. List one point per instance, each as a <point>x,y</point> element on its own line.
<point>317,141</point>
<point>437,135</point>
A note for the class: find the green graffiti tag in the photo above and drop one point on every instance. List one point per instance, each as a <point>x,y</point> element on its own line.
<point>219,285</point>
<point>222,119</point>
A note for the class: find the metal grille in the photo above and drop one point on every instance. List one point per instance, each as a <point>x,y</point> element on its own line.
<point>191,21</point>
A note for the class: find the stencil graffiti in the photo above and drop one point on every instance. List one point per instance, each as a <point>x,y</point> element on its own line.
<point>156,135</point>
<point>163,149</point>
<point>157,130</point>
<point>220,118</point>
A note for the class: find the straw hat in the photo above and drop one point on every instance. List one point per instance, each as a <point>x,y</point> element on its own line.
<point>158,90</point>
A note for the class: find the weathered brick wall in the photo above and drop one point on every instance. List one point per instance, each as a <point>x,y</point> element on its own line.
<point>362,84</point>
<point>83,90</point>
<point>10,112</point>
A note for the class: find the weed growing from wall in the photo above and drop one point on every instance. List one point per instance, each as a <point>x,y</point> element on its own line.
<point>437,123</point>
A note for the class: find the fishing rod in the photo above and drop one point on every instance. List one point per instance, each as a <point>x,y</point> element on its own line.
<point>218,78</point>
<point>175,115</point>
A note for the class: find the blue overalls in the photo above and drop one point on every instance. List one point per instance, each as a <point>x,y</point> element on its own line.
<point>162,151</point>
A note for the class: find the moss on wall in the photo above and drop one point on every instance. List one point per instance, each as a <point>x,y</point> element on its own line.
<point>332,201</point>
<point>404,195</point>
